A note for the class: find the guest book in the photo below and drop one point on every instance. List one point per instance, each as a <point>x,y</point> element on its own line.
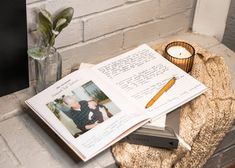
<point>91,109</point>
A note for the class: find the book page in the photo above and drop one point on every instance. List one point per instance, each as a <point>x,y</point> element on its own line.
<point>90,109</point>
<point>159,122</point>
<point>140,73</point>
<point>85,113</point>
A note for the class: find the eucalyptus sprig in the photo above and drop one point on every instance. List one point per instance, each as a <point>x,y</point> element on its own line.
<point>49,28</point>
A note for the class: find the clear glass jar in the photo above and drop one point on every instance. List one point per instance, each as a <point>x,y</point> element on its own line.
<point>48,69</point>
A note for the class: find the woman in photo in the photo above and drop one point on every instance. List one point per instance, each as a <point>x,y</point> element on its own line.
<point>100,112</point>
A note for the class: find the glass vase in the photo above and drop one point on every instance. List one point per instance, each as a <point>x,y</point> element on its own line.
<point>48,69</point>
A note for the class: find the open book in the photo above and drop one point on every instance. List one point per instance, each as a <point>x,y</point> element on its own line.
<point>91,109</point>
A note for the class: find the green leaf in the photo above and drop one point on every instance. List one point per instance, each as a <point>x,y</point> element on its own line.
<point>55,32</point>
<point>46,14</point>
<point>52,40</point>
<point>60,23</point>
<point>45,25</point>
<point>37,52</point>
<point>50,28</point>
<point>64,14</point>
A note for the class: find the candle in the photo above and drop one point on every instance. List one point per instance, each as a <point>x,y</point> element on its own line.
<point>181,54</point>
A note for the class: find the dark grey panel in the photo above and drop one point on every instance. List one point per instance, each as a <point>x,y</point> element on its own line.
<point>13,47</point>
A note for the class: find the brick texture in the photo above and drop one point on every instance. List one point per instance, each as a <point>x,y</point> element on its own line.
<point>8,159</point>
<point>32,1</point>
<point>8,109</point>
<point>153,30</point>
<point>30,145</point>
<point>136,22</point>
<point>31,14</point>
<point>91,51</point>
<point>82,7</point>
<point>170,7</point>
<point>123,17</point>
<point>33,147</point>
<point>70,35</point>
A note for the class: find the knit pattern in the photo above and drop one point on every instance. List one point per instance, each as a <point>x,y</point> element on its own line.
<point>204,121</point>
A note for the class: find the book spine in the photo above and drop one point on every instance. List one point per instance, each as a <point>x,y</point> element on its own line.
<point>160,142</point>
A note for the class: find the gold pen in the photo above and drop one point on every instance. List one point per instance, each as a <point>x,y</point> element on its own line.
<point>166,87</point>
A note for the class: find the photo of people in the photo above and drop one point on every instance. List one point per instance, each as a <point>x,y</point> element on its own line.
<point>83,108</point>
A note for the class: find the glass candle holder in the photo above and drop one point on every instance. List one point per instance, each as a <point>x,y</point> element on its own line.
<point>181,54</point>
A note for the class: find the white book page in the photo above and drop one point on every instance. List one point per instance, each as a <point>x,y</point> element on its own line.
<point>128,81</point>
<point>55,106</point>
<point>140,73</point>
<point>159,122</point>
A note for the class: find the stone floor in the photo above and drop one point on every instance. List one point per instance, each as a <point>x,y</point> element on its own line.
<point>23,143</point>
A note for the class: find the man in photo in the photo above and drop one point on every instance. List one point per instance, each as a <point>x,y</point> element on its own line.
<point>79,112</point>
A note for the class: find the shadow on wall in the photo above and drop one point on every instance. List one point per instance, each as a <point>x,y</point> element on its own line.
<point>229,34</point>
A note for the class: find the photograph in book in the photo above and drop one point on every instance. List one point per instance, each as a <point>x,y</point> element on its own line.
<point>91,109</point>
<point>83,108</point>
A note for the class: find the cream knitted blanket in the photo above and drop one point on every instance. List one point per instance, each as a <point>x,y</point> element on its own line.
<point>203,121</point>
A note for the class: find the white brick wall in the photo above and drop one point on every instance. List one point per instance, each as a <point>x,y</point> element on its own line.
<point>171,7</point>
<point>158,28</point>
<point>84,7</point>
<point>32,1</point>
<point>91,51</point>
<point>105,27</point>
<point>31,14</point>
<point>119,18</point>
<point>71,35</point>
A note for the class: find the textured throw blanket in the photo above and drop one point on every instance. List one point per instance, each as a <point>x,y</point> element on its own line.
<point>203,121</point>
